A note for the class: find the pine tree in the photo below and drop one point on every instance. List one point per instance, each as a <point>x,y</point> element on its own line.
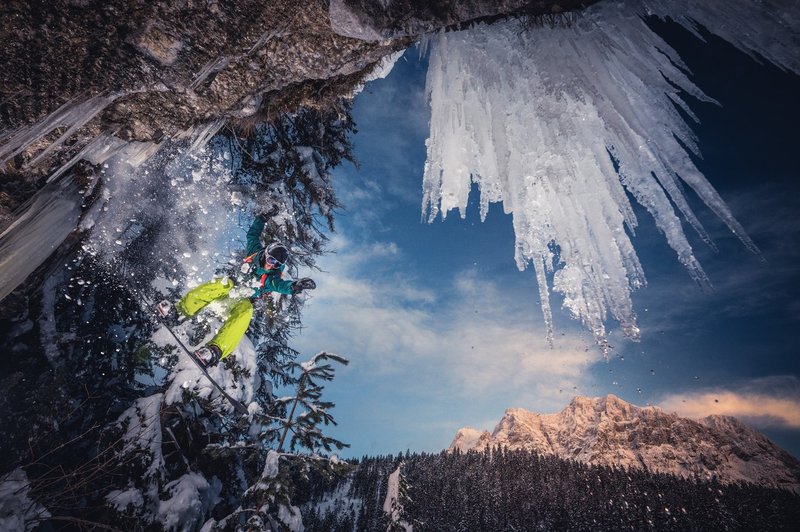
<point>452,492</point>
<point>123,441</point>
<point>304,426</point>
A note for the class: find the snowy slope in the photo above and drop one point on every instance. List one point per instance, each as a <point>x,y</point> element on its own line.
<point>610,431</point>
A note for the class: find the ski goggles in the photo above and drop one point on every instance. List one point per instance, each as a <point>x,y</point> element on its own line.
<point>272,262</point>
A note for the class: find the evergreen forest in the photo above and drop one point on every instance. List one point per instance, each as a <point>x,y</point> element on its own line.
<point>501,490</point>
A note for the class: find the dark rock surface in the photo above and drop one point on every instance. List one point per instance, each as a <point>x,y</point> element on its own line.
<point>148,71</point>
<point>84,80</point>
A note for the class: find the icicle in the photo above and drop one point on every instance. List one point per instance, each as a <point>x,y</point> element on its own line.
<point>534,118</point>
<point>761,28</point>
<point>136,154</point>
<point>212,67</point>
<point>200,135</point>
<point>49,218</point>
<point>100,145</point>
<point>73,115</point>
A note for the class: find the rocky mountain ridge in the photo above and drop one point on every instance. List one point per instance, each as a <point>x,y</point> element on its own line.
<point>609,431</point>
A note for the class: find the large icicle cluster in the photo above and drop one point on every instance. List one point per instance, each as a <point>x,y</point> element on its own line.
<point>539,120</point>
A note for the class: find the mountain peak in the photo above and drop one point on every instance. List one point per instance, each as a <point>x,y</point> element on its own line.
<point>603,403</point>
<point>610,431</point>
<point>468,438</point>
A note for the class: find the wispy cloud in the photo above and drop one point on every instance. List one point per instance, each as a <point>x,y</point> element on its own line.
<point>767,402</point>
<point>743,284</point>
<point>398,327</point>
<point>390,147</point>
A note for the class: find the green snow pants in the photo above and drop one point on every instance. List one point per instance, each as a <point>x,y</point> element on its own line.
<point>239,315</point>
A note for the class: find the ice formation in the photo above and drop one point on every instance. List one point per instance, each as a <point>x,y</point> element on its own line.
<point>558,123</point>
<point>48,219</point>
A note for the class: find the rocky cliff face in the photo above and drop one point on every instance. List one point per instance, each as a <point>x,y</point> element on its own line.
<point>376,20</point>
<point>149,71</point>
<point>84,81</point>
<point>142,71</point>
<point>610,431</point>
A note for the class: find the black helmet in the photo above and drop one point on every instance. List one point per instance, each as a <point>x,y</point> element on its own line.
<point>278,251</point>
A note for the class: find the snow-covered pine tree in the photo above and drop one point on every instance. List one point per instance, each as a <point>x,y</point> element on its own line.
<point>270,498</point>
<point>289,162</point>
<point>135,439</point>
<point>304,428</point>
<point>299,185</point>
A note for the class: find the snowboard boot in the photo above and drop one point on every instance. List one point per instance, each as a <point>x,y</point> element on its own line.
<point>169,315</point>
<point>209,355</point>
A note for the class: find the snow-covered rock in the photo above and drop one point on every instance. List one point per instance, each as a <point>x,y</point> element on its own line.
<point>469,438</point>
<point>609,431</point>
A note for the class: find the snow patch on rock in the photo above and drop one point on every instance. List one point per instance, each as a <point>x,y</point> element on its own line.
<point>350,23</point>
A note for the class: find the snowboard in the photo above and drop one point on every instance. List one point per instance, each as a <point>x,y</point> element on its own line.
<point>239,407</point>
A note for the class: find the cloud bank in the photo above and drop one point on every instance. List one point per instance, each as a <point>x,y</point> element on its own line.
<point>453,340</point>
<point>768,402</point>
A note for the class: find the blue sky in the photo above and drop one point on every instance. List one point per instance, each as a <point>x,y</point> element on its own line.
<point>443,331</point>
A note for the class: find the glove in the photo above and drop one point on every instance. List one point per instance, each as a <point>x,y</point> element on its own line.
<point>303,284</point>
<point>265,216</point>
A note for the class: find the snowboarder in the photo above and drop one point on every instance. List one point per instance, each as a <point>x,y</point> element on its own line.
<point>263,268</point>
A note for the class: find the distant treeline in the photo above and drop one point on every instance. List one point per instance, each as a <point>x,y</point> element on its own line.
<point>520,490</point>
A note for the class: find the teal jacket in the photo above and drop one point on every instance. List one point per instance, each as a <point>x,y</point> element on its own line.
<point>270,280</point>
